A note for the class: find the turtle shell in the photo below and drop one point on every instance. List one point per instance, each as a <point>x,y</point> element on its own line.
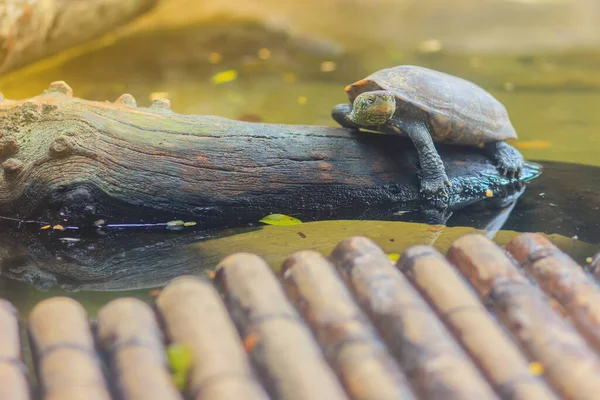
<point>459,111</point>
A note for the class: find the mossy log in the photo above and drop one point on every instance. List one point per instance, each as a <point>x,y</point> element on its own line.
<point>30,30</point>
<point>70,160</point>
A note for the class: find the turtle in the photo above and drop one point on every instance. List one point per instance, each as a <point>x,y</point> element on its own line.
<point>431,107</point>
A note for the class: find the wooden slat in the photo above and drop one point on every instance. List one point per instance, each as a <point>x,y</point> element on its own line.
<point>570,364</point>
<point>347,338</point>
<point>282,347</point>
<point>128,332</point>
<point>13,382</point>
<point>195,317</point>
<point>483,338</point>
<point>562,278</point>
<point>63,346</point>
<point>436,365</point>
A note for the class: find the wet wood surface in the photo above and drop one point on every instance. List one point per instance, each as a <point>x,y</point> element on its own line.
<point>13,381</point>
<point>67,364</point>
<point>68,158</point>
<point>570,364</point>
<point>129,335</point>
<point>470,325</point>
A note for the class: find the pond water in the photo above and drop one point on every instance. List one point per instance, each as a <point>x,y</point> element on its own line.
<point>242,69</point>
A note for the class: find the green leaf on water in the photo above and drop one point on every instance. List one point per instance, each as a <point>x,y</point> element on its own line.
<point>393,257</point>
<point>180,361</point>
<point>175,223</point>
<point>280,219</point>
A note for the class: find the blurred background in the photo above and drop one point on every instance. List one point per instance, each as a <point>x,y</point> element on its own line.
<point>288,61</point>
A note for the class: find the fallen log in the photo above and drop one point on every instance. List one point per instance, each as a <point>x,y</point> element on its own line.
<point>67,159</point>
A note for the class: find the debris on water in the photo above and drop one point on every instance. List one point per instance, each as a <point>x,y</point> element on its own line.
<point>68,239</point>
<point>400,213</point>
<point>328,66</point>
<point>575,237</point>
<point>430,46</point>
<point>280,220</point>
<point>589,260</point>
<point>264,53</point>
<point>302,235</point>
<point>190,223</point>
<point>214,57</point>
<point>45,227</point>
<point>175,223</point>
<point>224,76</point>
<point>58,227</point>
<point>180,361</point>
<point>302,100</point>
<point>99,222</point>
<point>489,193</point>
<point>542,194</point>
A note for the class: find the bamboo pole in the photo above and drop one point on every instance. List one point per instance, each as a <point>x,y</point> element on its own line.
<point>563,279</point>
<point>435,364</point>
<point>129,334</point>
<point>282,347</point>
<point>195,317</point>
<point>347,338</point>
<point>483,338</point>
<point>13,382</point>
<point>569,364</point>
<point>67,364</point>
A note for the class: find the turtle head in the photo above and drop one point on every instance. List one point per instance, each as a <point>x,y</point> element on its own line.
<point>373,108</point>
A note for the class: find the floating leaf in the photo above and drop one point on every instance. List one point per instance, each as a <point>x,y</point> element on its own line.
<point>190,223</point>
<point>589,260</point>
<point>99,222</point>
<point>180,361</point>
<point>58,227</point>
<point>45,227</point>
<point>393,257</point>
<point>175,223</point>
<point>224,76</point>
<point>280,220</point>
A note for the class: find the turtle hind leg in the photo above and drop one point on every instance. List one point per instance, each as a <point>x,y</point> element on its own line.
<point>508,159</point>
<point>433,174</point>
<point>340,114</point>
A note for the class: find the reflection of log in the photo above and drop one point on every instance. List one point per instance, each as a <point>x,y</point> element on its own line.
<point>33,30</point>
<point>68,158</point>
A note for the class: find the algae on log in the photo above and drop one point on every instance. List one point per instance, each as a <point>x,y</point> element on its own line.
<point>79,160</point>
<point>30,30</point>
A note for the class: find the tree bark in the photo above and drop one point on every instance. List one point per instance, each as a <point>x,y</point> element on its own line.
<point>72,160</point>
<point>30,30</point>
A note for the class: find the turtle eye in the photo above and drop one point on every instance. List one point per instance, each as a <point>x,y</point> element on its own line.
<point>370,100</point>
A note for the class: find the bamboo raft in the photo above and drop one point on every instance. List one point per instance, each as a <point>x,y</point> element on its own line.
<point>481,322</point>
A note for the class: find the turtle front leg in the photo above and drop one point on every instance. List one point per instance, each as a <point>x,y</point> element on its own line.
<point>340,113</point>
<point>433,174</point>
<point>508,159</point>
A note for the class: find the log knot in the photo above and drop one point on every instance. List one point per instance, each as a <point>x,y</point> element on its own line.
<point>60,87</point>
<point>8,143</point>
<point>12,165</point>
<point>161,104</point>
<point>127,100</point>
<point>62,146</point>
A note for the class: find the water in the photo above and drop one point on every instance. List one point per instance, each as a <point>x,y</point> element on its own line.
<point>551,93</point>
